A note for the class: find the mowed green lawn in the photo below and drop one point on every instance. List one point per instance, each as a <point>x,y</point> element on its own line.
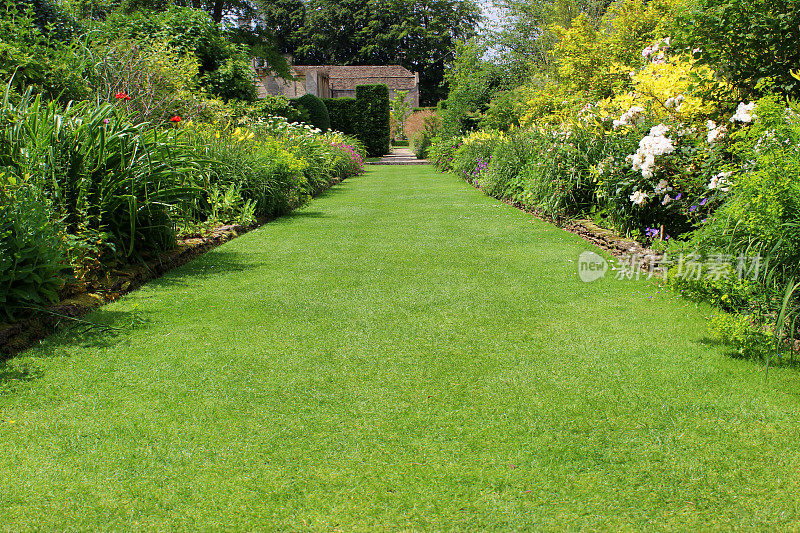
<point>403,354</point>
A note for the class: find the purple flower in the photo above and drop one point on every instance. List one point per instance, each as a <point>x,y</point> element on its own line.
<point>693,209</point>
<point>651,233</point>
<point>678,197</point>
<point>703,201</point>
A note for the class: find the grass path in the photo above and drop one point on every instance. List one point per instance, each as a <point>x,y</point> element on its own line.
<point>403,354</point>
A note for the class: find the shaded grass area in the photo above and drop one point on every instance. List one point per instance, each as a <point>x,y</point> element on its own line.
<point>404,354</point>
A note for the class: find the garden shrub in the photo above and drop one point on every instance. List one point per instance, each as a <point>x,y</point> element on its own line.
<point>596,62</point>
<point>473,83</point>
<point>346,154</point>
<point>232,80</point>
<point>344,115</point>
<point>50,18</point>
<point>317,112</point>
<point>32,56</point>
<point>750,340</point>
<point>224,68</point>
<point>509,157</point>
<point>32,259</point>
<point>472,157</point>
<point>503,112</point>
<point>420,144</point>
<point>724,287</point>
<point>751,43</point>
<point>760,212</point>
<point>442,151</point>
<point>373,103</point>
<point>546,102</point>
<point>279,106</point>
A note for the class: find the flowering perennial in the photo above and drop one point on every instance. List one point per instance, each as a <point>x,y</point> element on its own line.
<point>633,116</point>
<point>639,197</point>
<point>720,181</point>
<point>675,102</point>
<point>744,113</point>
<point>654,144</point>
<point>715,132</point>
<point>356,166</point>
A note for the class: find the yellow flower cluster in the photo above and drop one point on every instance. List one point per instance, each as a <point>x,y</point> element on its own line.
<point>241,135</point>
<point>481,136</point>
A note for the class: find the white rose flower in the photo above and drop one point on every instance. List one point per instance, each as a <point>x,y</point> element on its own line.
<point>744,113</point>
<point>638,197</point>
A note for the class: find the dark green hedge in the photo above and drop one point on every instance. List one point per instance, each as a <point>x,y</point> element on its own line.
<point>373,103</point>
<point>344,114</point>
<point>317,111</point>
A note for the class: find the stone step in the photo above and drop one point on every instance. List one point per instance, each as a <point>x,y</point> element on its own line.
<point>399,156</point>
<point>399,162</point>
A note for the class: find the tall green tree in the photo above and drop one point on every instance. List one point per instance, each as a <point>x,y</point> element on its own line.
<point>285,19</point>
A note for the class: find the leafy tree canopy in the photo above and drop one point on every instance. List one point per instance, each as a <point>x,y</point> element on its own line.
<point>753,44</point>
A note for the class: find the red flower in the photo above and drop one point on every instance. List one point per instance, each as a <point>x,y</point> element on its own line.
<point>122,96</point>
<point>176,118</point>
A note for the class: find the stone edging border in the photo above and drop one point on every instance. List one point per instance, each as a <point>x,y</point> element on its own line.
<point>23,334</point>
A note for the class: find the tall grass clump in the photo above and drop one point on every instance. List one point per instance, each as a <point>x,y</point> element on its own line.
<point>104,175</point>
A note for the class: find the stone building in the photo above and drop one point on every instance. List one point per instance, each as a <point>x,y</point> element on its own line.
<point>337,81</point>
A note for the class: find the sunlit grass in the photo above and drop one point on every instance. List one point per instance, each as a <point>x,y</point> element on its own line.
<point>403,354</point>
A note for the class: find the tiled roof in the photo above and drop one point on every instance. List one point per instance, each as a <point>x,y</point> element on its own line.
<point>357,71</point>
<point>344,84</point>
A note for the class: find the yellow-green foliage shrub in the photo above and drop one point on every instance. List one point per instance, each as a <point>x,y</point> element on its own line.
<point>656,86</point>
<point>593,63</point>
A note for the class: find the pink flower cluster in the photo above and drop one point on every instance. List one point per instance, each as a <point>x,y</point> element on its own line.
<point>357,167</point>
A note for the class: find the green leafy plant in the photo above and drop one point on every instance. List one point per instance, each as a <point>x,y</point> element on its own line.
<point>317,112</point>
<point>421,142</point>
<point>749,339</point>
<point>32,258</point>
<point>751,43</point>
<point>224,68</point>
<point>101,172</point>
